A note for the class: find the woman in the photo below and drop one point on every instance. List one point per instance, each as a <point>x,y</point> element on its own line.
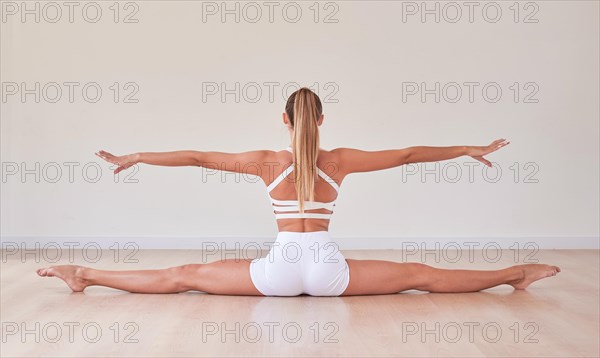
<point>303,260</point>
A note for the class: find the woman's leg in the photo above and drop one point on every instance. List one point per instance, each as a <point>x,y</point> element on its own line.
<point>369,277</point>
<point>227,277</point>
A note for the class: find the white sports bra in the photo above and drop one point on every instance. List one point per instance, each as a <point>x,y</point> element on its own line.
<point>289,206</point>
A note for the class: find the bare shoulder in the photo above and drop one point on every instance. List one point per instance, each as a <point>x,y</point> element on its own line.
<point>343,154</point>
<point>351,160</point>
<point>329,162</point>
<point>342,151</point>
<point>259,154</point>
<point>332,155</point>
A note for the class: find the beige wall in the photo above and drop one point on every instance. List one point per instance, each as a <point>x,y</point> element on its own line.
<point>362,57</point>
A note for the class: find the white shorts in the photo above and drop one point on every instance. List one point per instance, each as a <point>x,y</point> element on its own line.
<point>301,263</point>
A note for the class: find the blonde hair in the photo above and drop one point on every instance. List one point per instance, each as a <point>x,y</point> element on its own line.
<point>304,110</point>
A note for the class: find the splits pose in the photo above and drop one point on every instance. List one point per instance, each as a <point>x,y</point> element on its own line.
<point>303,187</point>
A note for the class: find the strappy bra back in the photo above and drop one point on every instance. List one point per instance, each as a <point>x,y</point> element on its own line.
<point>290,208</point>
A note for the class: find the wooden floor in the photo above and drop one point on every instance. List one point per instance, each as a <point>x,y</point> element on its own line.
<point>558,316</point>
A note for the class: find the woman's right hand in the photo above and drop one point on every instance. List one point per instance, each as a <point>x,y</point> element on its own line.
<point>123,162</point>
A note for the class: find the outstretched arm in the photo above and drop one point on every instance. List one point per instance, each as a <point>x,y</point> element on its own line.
<point>247,162</point>
<point>356,161</point>
<point>421,154</point>
<point>435,154</point>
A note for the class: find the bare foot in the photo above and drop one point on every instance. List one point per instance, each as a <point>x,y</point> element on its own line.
<point>71,274</point>
<point>531,273</point>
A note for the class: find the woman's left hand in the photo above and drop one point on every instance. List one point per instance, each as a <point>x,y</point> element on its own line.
<point>477,152</point>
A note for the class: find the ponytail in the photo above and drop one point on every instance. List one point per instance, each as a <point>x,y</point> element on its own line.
<point>304,110</point>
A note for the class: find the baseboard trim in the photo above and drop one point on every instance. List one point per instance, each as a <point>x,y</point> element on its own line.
<point>263,242</point>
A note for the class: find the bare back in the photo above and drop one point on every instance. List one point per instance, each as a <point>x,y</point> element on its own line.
<point>324,192</point>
